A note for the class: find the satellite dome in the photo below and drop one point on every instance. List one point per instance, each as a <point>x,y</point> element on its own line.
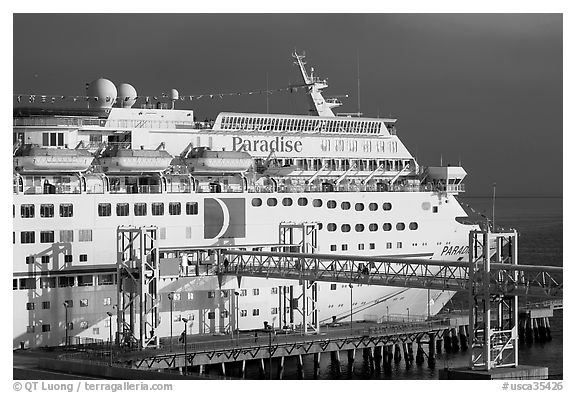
<point>101,93</point>
<point>174,94</point>
<point>126,95</point>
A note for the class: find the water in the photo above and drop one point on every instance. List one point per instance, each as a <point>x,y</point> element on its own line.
<point>539,224</point>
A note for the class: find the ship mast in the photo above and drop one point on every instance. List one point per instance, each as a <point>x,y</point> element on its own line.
<point>318,105</point>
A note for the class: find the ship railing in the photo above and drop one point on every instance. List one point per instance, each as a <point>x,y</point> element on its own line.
<point>57,189</point>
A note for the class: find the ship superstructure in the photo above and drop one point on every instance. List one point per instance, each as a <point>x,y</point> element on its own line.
<point>79,174</point>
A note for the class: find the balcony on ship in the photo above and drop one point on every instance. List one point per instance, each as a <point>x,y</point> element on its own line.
<point>145,184</point>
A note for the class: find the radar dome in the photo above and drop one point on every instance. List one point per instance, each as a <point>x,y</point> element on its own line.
<point>126,95</point>
<point>174,94</point>
<point>101,93</point>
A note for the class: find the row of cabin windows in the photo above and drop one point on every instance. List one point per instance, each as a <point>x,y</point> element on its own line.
<point>361,246</point>
<point>45,259</point>
<point>332,227</point>
<point>46,210</point>
<point>331,204</point>
<point>141,209</point>
<point>46,304</point>
<point>66,236</point>
<point>64,282</point>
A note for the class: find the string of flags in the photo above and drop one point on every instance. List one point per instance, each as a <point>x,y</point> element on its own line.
<point>52,98</point>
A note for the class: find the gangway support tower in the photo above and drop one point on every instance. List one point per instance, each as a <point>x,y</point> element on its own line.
<point>494,341</point>
<point>304,239</point>
<point>137,286</point>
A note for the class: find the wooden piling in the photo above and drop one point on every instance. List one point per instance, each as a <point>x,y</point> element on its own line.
<point>542,329</point>
<point>201,371</point>
<point>351,356</point>
<point>316,364</point>
<point>300,367</point>
<point>243,370</point>
<point>463,337</point>
<point>406,355</point>
<point>447,341</point>
<point>261,368</point>
<point>411,352</point>
<point>281,368</point>
<point>439,346</point>
<point>419,354</point>
<point>522,329</point>
<point>371,359</point>
<point>431,350</point>
<point>547,328</point>
<point>377,357</point>
<point>529,336</point>
<point>388,356</point>
<point>397,353</point>
<point>455,339</point>
<point>535,331</point>
<point>335,358</point>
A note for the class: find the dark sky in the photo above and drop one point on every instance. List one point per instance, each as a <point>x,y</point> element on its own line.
<point>485,89</point>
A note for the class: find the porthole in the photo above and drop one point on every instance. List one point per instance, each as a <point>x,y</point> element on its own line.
<point>387,226</point>
<point>413,226</point>
<point>345,205</point>
<point>359,227</point>
<point>256,202</point>
<point>272,202</point>
<point>320,226</point>
<point>345,228</point>
<point>287,201</point>
<point>317,203</point>
<point>373,206</point>
<point>331,227</point>
<point>373,227</point>
<point>359,207</point>
<point>331,204</point>
<point>302,201</point>
<point>387,206</point>
<point>400,226</point>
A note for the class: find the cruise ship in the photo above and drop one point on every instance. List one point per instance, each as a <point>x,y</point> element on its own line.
<point>80,173</point>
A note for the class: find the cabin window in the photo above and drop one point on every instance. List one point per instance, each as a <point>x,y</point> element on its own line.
<point>400,226</point>
<point>27,211</point>
<point>83,257</point>
<point>106,279</point>
<point>372,246</point>
<point>344,247</point>
<point>157,209</point>
<point>45,328</point>
<point>331,204</point>
<point>27,283</point>
<point>256,202</point>
<point>191,208</point>
<point>272,202</point>
<point>66,236</point>
<point>46,236</point>
<point>52,139</point>
<point>373,206</point>
<point>66,210</point>
<point>104,209</point>
<point>174,208</point>
<point>317,203</point>
<point>434,209</point>
<point>46,304</point>
<point>27,237</point>
<point>361,246</point>
<point>387,206</point>
<point>413,226</point>
<point>359,227</point>
<point>65,282</point>
<point>85,281</point>
<point>388,245</point>
<point>359,207</point>
<point>45,259</point>
<point>287,201</point>
<point>68,258</point>
<point>243,313</point>
<point>139,209</point>
<point>85,235</point>
<point>373,227</point>
<point>302,201</point>
<point>255,312</point>
<point>345,205</point>
<point>47,210</point>
<point>333,248</point>
<point>30,259</point>
<point>387,226</point>
<point>345,228</point>
<point>399,245</point>
<point>331,227</point>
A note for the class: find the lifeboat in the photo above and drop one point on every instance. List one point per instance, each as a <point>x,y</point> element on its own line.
<point>114,159</point>
<point>32,158</point>
<point>202,160</point>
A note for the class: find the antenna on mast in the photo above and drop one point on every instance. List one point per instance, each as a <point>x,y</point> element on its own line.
<point>358,68</point>
<point>493,206</point>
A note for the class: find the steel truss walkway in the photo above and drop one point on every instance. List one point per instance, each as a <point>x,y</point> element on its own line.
<point>540,281</point>
<point>492,277</point>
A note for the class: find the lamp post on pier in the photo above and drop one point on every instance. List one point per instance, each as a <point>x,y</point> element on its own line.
<point>171,297</point>
<point>350,285</point>
<point>65,304</point>
<point>236,294</point>
<point>185,344</point>
<point>110,325</point>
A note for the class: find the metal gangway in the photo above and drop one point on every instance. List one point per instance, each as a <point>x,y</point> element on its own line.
<point>492,277</point>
